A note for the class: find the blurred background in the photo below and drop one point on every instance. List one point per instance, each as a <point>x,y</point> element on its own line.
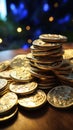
<point>22,21</point>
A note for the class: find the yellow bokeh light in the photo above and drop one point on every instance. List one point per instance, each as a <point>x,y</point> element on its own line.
<point>51,19</point>
<point>1,40</point>
<point>56,5</point>
<point>27,27</point>
<point>19,29</point>
<point>29,41</point>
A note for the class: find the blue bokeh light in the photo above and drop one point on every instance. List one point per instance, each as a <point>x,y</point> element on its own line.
<point>65,1</point>
<point>12,6</point>
<point>64,20</point>
<point>25,46</point>
<point>22,6</point>
<point>37,32</point>
<point>19,12</point>
<point>46,7</point>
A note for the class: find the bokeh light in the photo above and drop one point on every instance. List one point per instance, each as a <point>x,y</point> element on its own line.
<point>28,28</point>
<point>29,41</point>
<point>1,40</point>
<point>56,5</point>
<point>19,29</point>
<point>51,19</point>
<point>46,7</point>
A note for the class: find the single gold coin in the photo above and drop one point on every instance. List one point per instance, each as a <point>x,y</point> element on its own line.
<point>21,74</point>
<point>9,116</point>
<point>7,102</point>
<point>53,37</point>
<point>19,61</point>
<point>5,74</point>
<point>68,54</point>
<point>33,101</point>
<point>40,43</point>
<point>23,89</point>
<point>4,65</point>
<point>50,66</point>
<point>61,96</point>
<point>3,83</point>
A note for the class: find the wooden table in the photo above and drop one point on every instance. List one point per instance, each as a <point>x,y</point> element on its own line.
<point>45,118</point>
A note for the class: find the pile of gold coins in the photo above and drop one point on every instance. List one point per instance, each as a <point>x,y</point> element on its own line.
<point>17,86</point>
<point>24,79</point>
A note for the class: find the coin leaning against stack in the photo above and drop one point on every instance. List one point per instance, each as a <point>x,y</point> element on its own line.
<point>46,60</point>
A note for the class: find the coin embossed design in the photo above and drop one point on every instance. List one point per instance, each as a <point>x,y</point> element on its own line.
<point>19,61</point>
<point>5,74</point>
<point>21,74</point>
<point>61,96</point>
<point>4,65</point>
<point>33,101</point>
<point>23,89</point>
<point>7,102</point>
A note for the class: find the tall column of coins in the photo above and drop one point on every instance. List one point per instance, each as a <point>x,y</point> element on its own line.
<point>46,60</point>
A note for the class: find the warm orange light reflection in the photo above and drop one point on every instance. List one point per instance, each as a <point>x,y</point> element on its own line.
<point>29,41</point>
<point>27,27</point>
<point>51,18</point>
<point>56,5</point>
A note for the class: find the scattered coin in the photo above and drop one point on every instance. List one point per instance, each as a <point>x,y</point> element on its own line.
<point>19,61</point>
<point>21,74</point>
<point>4,65</point>
<point>61,96</point>
<point>23,89</point>
<point>7,102</point>
<point>11,115</point>
<point>33,101</point>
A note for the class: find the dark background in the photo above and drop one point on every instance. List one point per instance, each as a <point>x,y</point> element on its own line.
<point>35,17</point>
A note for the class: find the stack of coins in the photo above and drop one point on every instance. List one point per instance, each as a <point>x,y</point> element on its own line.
<point>8,106</point>
<point>46,60</point>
